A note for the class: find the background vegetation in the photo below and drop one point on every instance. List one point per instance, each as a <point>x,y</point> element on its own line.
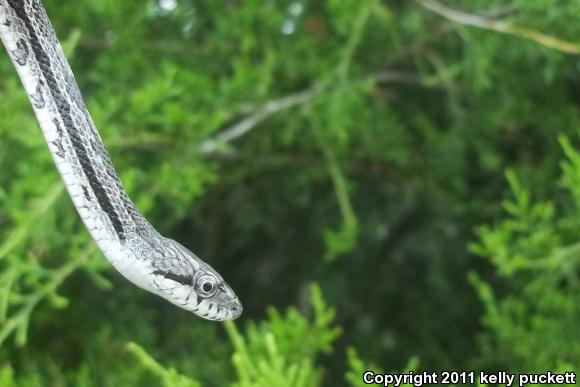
<point>383,182</point>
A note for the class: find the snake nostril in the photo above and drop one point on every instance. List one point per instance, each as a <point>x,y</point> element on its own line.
<point>236,308</point>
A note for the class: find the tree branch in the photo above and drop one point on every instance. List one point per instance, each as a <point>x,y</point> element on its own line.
<point>500,26</point>
<point>301,98</point>
<point>269,108</point>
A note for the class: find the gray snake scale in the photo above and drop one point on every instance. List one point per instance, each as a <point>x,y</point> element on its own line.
<point>142,255</point>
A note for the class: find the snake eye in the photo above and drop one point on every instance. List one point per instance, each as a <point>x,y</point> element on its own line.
<point>206,285</point>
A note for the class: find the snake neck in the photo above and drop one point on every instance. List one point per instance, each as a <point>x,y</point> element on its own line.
<point>73,140</point>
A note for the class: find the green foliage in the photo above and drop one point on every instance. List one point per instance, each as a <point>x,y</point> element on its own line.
<point>168,377</point>
<point>282,351</point>
<point>359,145</point>
<point>536,249</point>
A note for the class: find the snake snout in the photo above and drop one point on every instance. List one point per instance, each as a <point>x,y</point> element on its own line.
<point>236,308</point>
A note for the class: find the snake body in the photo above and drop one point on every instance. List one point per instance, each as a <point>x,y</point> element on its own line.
<point>142,255</point>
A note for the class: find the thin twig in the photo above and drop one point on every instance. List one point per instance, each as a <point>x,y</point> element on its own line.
<point>500,26</point>
<point>393,76</point>
<point>443,29</point>
<point>269,108</point>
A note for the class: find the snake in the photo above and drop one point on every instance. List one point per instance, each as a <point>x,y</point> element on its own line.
<point>130,243</point>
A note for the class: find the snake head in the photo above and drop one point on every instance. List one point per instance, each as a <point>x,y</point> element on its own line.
<point>215,299</point>
<point>192,284</point>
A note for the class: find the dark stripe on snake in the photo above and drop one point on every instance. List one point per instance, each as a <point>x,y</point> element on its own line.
<point>64,111</point>
<point>182,279</point>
